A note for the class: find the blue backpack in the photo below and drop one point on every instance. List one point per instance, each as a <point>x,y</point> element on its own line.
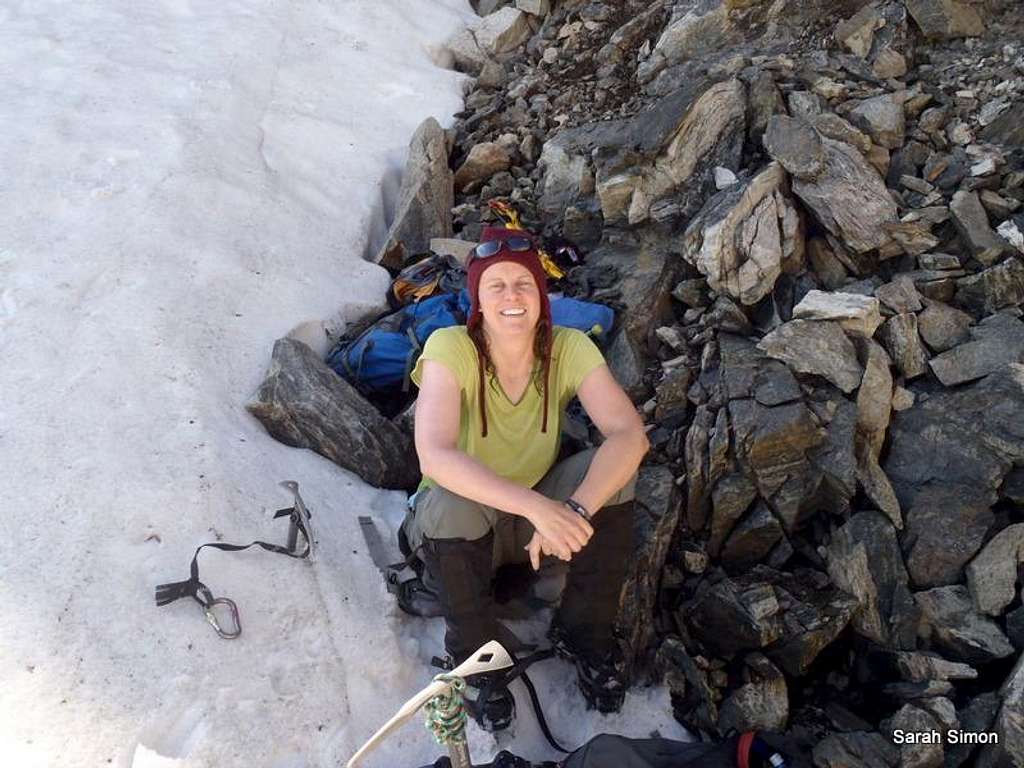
<point>380,359</point>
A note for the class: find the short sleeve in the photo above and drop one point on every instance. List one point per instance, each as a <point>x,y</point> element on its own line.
<point>581,356</point>
<point>445,345</point>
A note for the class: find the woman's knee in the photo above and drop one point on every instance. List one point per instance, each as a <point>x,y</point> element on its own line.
<point>441,514</point>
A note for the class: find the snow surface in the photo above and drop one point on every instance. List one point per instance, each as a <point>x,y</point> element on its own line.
<point>184,182</point>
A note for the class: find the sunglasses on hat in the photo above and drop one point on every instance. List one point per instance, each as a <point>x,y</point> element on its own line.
<point>494,247</point>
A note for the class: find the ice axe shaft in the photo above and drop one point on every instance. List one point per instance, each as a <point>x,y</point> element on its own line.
<point>490,657</point>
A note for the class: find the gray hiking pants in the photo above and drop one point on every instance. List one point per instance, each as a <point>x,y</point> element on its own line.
<point>441,514</point>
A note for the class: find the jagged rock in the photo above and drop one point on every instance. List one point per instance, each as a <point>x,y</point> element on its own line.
<point>534,7</point>
<point>1013,486</point>
<point>972,223</point>
<point>913,238</point>
<point>992,575</point>
<point>902,399</point>
<point>502,31</point>
<point>826,266</point>
<point>425,199</point>
<point>921,667</point>
<point>835,457</point>
<point>856,749</point>
<point>466,52</point>
<point>656,516</point>
<point>694,699</point>
<point>752,539</point>
<point>707,133</point>
<point>1008,725</point>
<point>732,616</point>
<point>864,560</point>
<point>942,327</point>
<point>671,394</point>
<point>944,19</point>
<point>901,340</point>
<point>702,30</point>
<point>874,398</point>
<point>994,288</point>
<point>730,498</point>
<point>305,404</point>
<point>900,296</point>
<point>626,362</point>
<point>858,32</point>
<point>873,480</point>
<point>996,341</point>
<point>804,105</point>
<point>692,292</point>
<point>849,198</point>
<point>855,313</point>
<point>934,558</point>
<point>567,178</point>
<point>889,64</point>
<point>881,117</point>
<point>1007,129</point>
<point>696,459</point>
<point>764,100</point>
<point>976,717</point>
<point>761,703</point>
<point>816,346</point>
<point>935,261</point>
<point>911,719</point>
<point>795,145</point>
<point>950,622</point>
<point>739,240</point>
<point>484,160</point>
<point>832,126</point>
<point>814,613</point>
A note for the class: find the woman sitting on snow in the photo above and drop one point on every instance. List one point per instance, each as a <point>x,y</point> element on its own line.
<point>488,426</point>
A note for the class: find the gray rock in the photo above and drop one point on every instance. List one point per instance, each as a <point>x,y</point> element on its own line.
<point>972,223</point>
<point>920,667</point>
<point>752,540</point>
<point>815,346</point>
<point>826,266</point>
<point>944,19</point>
<point>902,342</point>
<point>942,327</point>
<point>881,117</point>
<point>671,394</point>
<point>994,288</point>
<point>696,460</point>
<point>856,749</point>
<point>938,261</point>
<point>626,363</point>
<point>876,485</point>
<point>911,719</point>
<point>849,198</point>
<point>305,404</point>
<point>795,145</point>
<point>730,498</point>
<point>534,7</point>
<point>950,623</point>
<point>739,239</point>
<point>976,717</point>
<point>567,178</point>
<point>1007,129</point>
<point>764,100</point>
<point>1009,751</point>
<point>701,31</point>
<point>855,313</point>
<point>992,575</point>
<point>804,105</point>
<point>1013,486</point>
<point>695,700</point>
<point>732,616</point>
<point>815,613</point>
<point>425,199</point>
<point>692,292</point>
<point>900,296</point>
<point>835,458</point>
<point>996,341</point>
<point>934,557</point>
<point>864,560</point>
<point>913,238</point>
<point>761,703</point>
<point>502,31</point>
<point>656,517</point>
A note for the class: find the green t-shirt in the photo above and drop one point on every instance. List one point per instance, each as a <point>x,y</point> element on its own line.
<point>514,448</point>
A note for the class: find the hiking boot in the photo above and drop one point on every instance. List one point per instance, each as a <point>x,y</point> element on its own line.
<point>498,710</point>
<point>601,678</point>
<point>417,599</point>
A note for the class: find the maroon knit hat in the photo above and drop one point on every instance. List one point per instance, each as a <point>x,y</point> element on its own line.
<point>529,259</point>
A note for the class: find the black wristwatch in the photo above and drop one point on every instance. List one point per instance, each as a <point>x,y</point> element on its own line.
<point>578,508</point>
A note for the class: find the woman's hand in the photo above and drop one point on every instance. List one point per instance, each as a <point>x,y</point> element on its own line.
<point>537,547</point>
<point>563,531</point>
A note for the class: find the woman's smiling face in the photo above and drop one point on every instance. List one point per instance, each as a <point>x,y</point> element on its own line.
<point>509,299</point>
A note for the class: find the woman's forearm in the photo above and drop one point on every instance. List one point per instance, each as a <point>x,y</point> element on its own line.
<point>613,465</point>
<point>459,473</point>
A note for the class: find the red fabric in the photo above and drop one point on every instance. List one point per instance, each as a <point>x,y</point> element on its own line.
<point>743,750</point>
<point>531,261</point>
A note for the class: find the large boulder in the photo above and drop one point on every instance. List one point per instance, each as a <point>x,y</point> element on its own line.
<point>865,561</point>
<point>995,342</point>
<point>950,623</point>
<point>425,199</point>
<point>744,235</point>
<point>934,558</point>
<point>994,288</point>
<point>305,404</point>
<point>848,198</point>
<point>701,30</point>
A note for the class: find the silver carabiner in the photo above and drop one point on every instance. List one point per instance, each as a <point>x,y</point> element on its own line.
<point>208,604</point>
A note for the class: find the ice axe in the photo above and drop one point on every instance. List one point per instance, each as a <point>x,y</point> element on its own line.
<point>490,657</point>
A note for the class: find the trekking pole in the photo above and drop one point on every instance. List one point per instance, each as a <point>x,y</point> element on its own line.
<point>444,700</point>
